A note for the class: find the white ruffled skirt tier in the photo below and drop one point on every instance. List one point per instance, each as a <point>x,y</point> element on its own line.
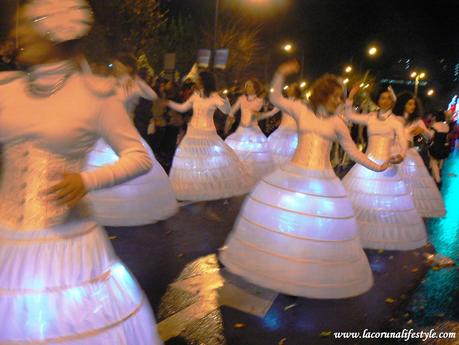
<point>384,209</point>
<point>427,198</point>
<point>206,168</point>
<point>64,285</point>
<point>296,234</point>
<point>282,144</point>
<point>251,146</point>
<point>144,200</point>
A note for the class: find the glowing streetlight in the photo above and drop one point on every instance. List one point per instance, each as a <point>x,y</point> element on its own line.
<point>362,85</point>
<point>417,77</point>
<point>225,91</point>
<point>303,84</point>
<point>431,92</point>
<point>271,90</point>
<point>288,47</point>
<point>285,87</point>
<point>348,69</point>
<point>372,51</point>
<point>366,86</point>
<point>345,81</point>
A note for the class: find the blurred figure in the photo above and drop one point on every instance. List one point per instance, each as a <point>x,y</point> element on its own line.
<point>426,196</point>
<point>144,200</point>
<point>440,148</point>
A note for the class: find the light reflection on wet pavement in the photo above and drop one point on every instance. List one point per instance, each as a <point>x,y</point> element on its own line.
<point>435,303</point>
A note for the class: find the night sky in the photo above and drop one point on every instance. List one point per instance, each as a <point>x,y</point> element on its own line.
<point>334,31</point>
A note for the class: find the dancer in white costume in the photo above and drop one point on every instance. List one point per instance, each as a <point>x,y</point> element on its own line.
<point>249,142</point>
<point>296,232</point>
<point>426,196</point>
<point>284,140</point>
<point>382,203</point>
<point>204,166</point>
<point>147,198</point>
<point>60,281</point>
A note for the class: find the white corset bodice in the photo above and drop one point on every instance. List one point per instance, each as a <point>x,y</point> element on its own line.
<point>27,171</point>
<point>248,107</point>
<point>313,151</point>
<point>381,137</point>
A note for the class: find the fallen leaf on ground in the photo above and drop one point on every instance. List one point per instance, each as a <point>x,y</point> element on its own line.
<point>112,237</point>
<point>389,300</point>
<point>239,325</point>
<point>282,341</point>
<point>290,306</point>
<point>324,334</point>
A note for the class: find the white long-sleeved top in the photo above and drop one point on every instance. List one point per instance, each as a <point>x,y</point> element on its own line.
<point>408,128</point>
<point>288,122</point>
<point>131,94</point>
<point>203,109</point>
<point>65,126</point>
<point>383,132</point>
<point>316,135</point>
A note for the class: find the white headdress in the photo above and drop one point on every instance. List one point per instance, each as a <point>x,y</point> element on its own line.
<point>60,20</point>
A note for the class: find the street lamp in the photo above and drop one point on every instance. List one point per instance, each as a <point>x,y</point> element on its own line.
<point>288,47</point>
<point>417,77</point>
<point>348,69</point>
<point>431,92</point>
<point>303,84</point>
<point>345,81</point>
<point>372,51</point>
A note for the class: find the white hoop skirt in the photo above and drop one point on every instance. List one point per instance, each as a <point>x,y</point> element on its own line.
<point>297,234</point>
<point>206,168</point>
<point>427,198</point>
<point>64,285</point>
<point>144,200</point>
<point>282,144</point>
<point>251,146</point>
<point>384,209</point>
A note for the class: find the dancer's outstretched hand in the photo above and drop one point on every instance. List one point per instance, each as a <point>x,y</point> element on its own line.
<point>69,191</point>
<point>384,166</point>
<point>289,67</point>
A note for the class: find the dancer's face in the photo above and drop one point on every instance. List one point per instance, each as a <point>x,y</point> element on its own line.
<point>334,100</point>
<point>410,106</point>
<point>33,48</point>
<point>385,101</point>
<point>249,88</point>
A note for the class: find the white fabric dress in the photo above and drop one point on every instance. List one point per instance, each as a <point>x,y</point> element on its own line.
<point>382,203</point>
<point>296,232</point>
<point>60,281</point>
<point>249,142</point>
<point>143,200</point>
<point>427,198</point>
<point>284,140</point>
<point>204,166</point>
